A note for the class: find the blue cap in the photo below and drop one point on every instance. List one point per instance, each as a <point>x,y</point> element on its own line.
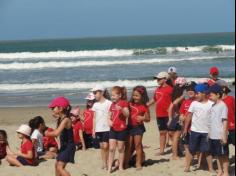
<point>202,88</point>
<point>215,89</point>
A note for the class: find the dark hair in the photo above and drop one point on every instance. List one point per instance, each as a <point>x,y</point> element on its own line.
<point>36,122</point>
<point>143,91</point>
<point>4,134</point>
<point>177,92</point>
<point>122,91</point>
<point>226,90</point>
<point>106,94</point>
<point>66,112</point>
<point>88,106</point>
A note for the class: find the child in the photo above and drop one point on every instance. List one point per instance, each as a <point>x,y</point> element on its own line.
<point>37,125</point>
<point>190,88</point>
<point>77,126</point>
<point>173,75</point>
<point>162,98</point>
<point>219,130</point>
<point>50,143</point>
<point>101,127</point>
<point>26,155</point>
<point>88,121</point>
<point>61,111</point>
<point>4,146</point>
<point>139,113</point>
<point>119,114</point>
<point>199,115</point>
<point>214,76</point>
<point>174,125</point>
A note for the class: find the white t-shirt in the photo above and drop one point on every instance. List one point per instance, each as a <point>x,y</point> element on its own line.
<point>219,113</point>
<point>201,116</point>
<point>101,115</point>
<point>39,137</point>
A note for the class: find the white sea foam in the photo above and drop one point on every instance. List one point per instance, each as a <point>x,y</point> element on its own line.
<point>85,85</point>
<point>77,64</point>
<point>59,55</point>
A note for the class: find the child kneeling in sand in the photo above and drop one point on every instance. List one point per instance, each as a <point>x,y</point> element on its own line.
<point>26,155</point>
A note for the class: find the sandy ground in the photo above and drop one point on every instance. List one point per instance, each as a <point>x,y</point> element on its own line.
<point>89,162</point>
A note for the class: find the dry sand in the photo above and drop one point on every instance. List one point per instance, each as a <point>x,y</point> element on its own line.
<point>89,162</point>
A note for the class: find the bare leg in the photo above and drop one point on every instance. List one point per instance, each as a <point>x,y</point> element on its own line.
<point>162,142</point>
<point>128,151</point>
<point>121,149</point>
<point>139,151</point>
<point>188,162</point>
<point>11,159</point>
<point>187,156</point>
<point>175,145</point>
<point>56,170</point>
<point>209,162</point>
<point>61,169</point>
<point>112,150</point>
<point>224,162</point>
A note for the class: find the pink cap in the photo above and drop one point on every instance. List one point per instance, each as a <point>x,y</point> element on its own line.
<point>75,111</point>
<point>59,102</point>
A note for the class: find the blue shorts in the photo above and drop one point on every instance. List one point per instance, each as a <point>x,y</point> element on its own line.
<point>198,142</point>
<point>175,125</point>
<point>137,131</point>
<point>217,149</point>
<point>102,137</point>
<point>118,135</point>
<point>232,137</point>
<point>23,161</point>
<point>162,123</point>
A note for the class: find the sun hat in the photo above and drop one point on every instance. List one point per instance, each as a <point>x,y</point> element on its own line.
<point>76,111</point>
<point>90,97</point>
<point>59,102</point>
<point>181,81</point>
<point>98,88</point>
<point>24,129</point>
<point>202,88</point>
<point>162,75</point>
<point>172,70</point>
<point>214,71</point>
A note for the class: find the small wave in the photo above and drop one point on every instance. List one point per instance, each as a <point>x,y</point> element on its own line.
<point>77,64</point>
<point>86,85</point>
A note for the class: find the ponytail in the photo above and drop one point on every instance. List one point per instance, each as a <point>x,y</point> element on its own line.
<point>121,91</point>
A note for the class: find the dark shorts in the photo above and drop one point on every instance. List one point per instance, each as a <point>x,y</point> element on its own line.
<point>217,149</point>
<point>41,153</point>
<point>67,154</point>
<point>118,135</point>
<point>23,161</point>
<point>232,137</point>
<point>185,139</point>
<point>198,142</point>
<point>175,125</point>
<point>102,137</point>
<point>89,141</point>
<point>162,123</point>
<point>137,131</point>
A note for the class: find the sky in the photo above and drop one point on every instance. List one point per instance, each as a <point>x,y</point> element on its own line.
<point>42,19</point>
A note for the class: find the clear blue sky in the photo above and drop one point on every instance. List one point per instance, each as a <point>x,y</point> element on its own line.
<point>38,19</point>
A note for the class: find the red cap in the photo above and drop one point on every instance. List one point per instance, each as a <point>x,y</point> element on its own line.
<point>214,71</point>
<point>59,102</point>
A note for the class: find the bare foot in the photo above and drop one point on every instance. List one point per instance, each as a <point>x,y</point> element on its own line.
<point>175,158</point>
<point>186,170</point>
<point>160,154</point>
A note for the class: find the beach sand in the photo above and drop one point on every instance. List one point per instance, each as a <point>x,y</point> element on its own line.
<point>89,162</point>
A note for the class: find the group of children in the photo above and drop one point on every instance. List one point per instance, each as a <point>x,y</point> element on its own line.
<point>200,116</point>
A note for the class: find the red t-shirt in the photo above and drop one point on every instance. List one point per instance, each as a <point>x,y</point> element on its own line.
<point>88,121</point>
<point>3,150</point>
<point>77,126</point>
<point>230,102</point>
<point>184,109</point>
<point>118,119</point>
<point>49,141</point>
<point>135,111</point>
<point>163,98</point>
<point>27,147</point>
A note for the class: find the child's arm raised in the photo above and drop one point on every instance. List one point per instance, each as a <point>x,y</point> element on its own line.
<point>64,124</point>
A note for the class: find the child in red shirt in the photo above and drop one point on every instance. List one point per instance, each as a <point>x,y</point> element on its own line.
<point>26,155</point>
<point>119,114</point>
<point>77,126</point>
<point>163,99</point>
<point>139,113</point>
<point>88,121</point>
<point>4,147</point>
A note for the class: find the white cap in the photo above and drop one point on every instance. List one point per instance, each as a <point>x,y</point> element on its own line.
<point>97,88</point>
<point>162,75</point>
<point>24,129</point>
<point>172,70</point>
<point>90,97</point>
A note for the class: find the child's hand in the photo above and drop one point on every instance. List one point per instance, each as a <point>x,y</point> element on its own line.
<point>94,134</point>
<point>110,123</point>
<point>224,140</point>
<point>169,122</point>
<point>140,119</point>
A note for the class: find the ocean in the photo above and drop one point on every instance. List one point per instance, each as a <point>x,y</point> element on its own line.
<point>34,72</point>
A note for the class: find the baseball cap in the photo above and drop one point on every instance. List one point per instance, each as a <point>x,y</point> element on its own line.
<point>59,102</point>
<point>90,97</point>
<point>214,71</point>
<point>215,89</point>
<point>162,75</point>
<point>98,88</point>
<point>202,88</point>
<point>181,81</point>
<point>172,70</point>
<point>190,86</point>
<point>75,111</point>
<point>24,129</point>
